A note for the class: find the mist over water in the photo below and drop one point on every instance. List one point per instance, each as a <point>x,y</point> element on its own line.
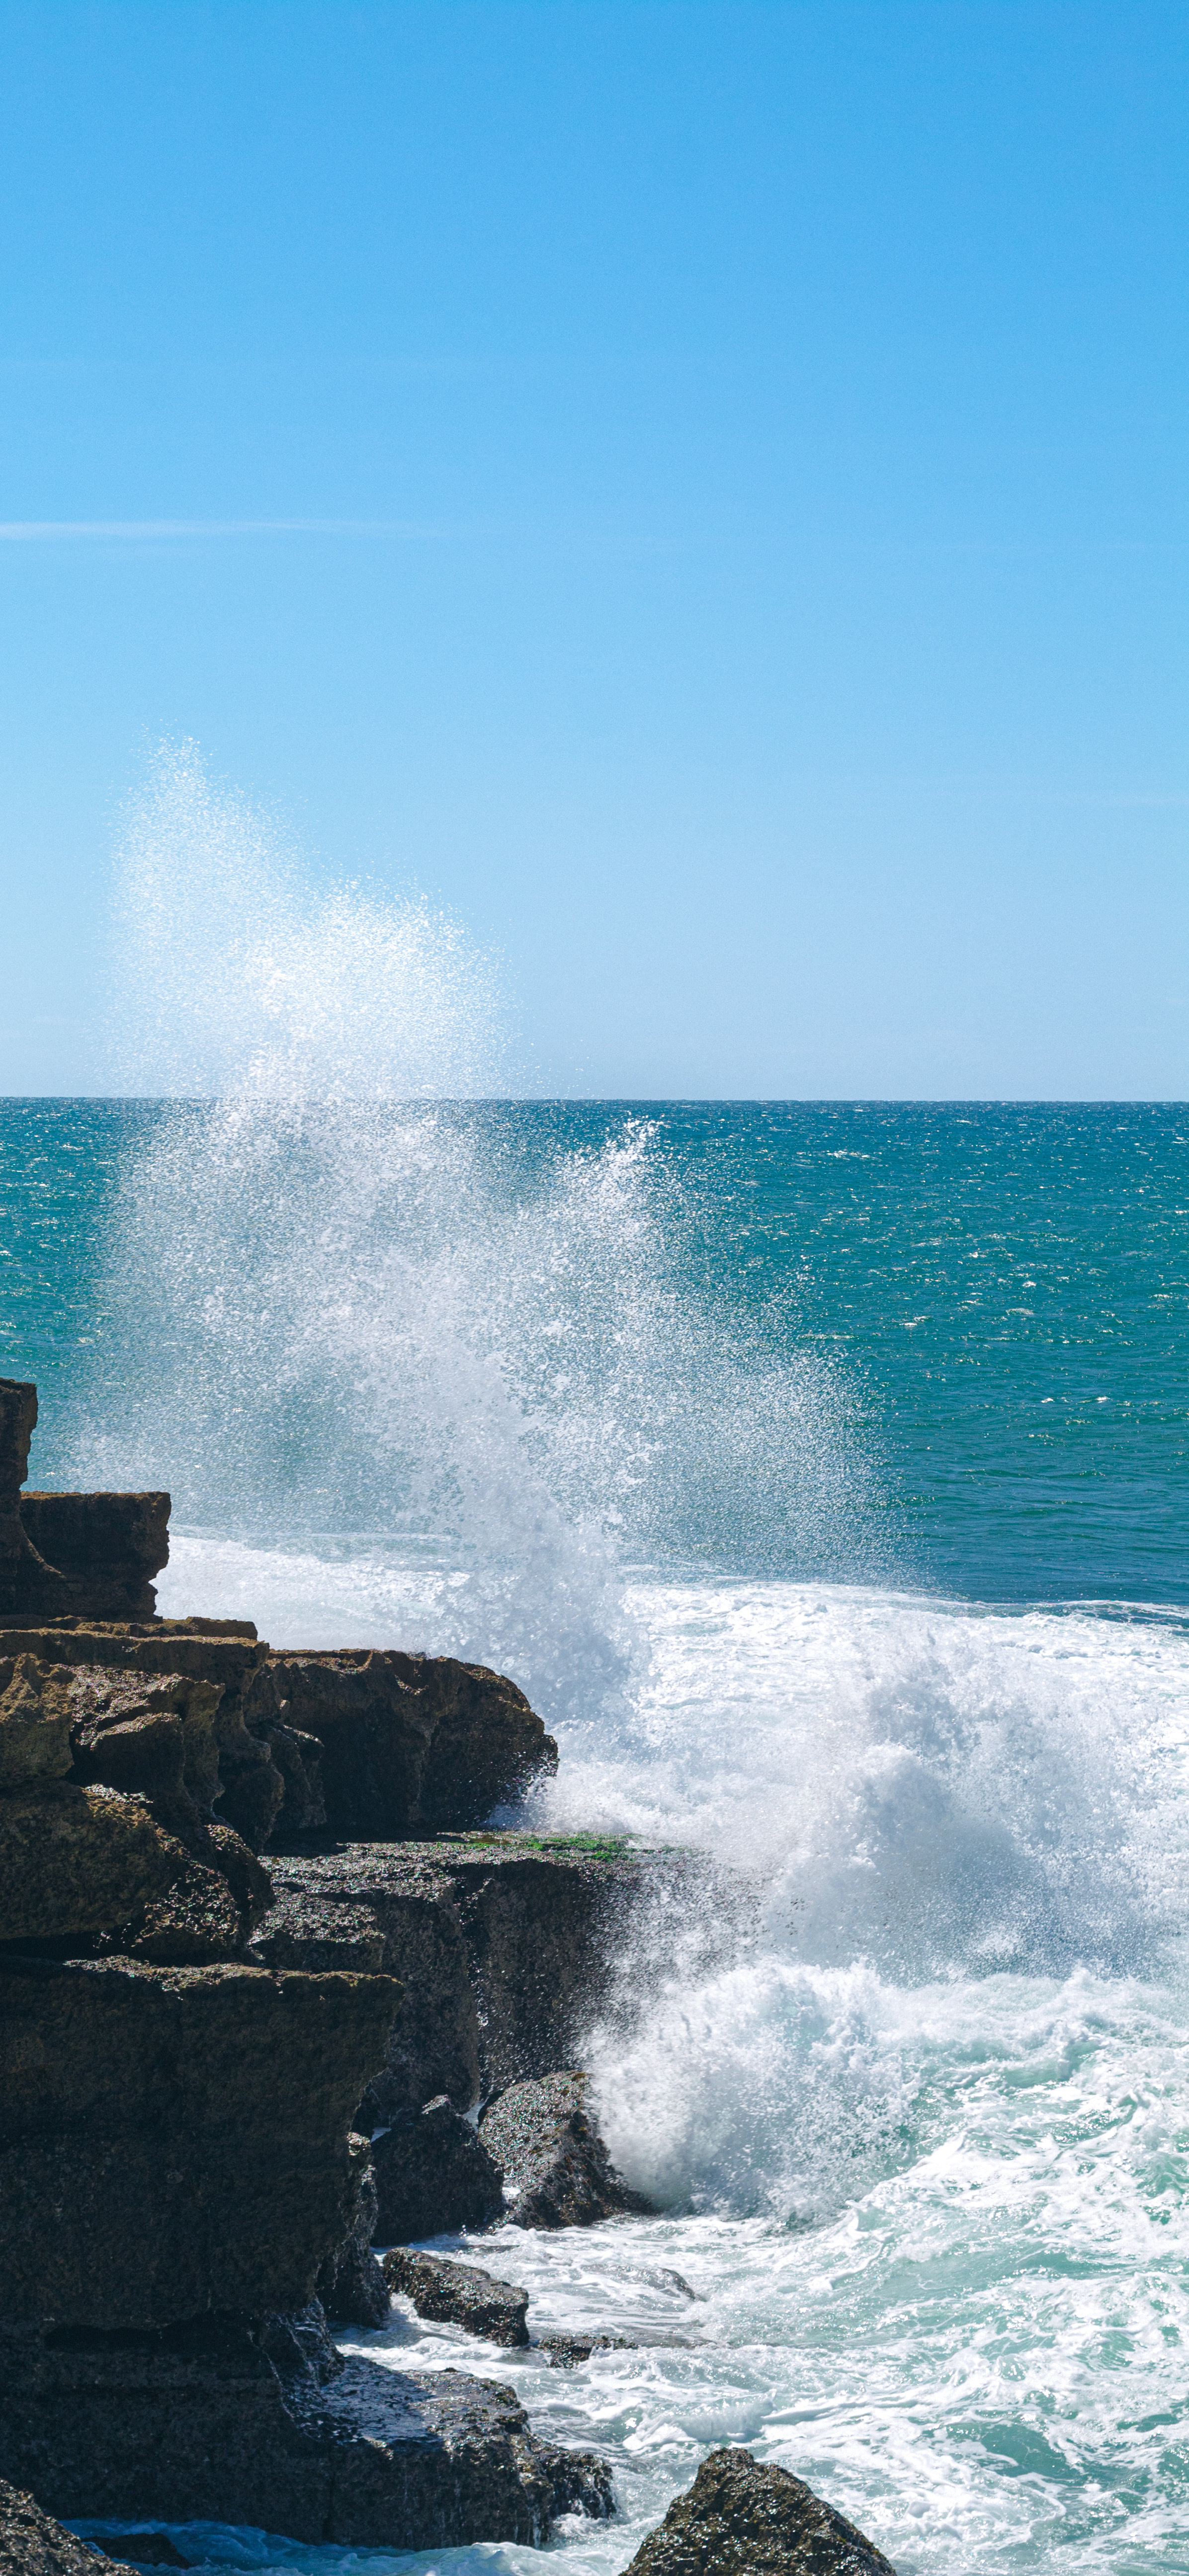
<point>423,1366</point>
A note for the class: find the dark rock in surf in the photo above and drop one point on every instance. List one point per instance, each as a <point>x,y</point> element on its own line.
<point>557,2171</point>
<point>267,2424</point>
<point>33,2544</point>
<point>459,2294</point>
<point>152,2549</point>
<point>434,2175</point>
<point>409,1743</point>
<point>350,2284</point>
<point>569,2351</point>
<point>741,2519</point>
<point>505,1944</point>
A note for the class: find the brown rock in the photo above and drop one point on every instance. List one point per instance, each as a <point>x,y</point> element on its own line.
<point>174,2141</point>
<point>76,1862</point>
<point>108,1547</point>
<point>557,2172</point>
<point>409,1742</point>
<point>28,1586</point>
<point>35,1722</point>
<point>741,2519</point>
<point>459,2294</point>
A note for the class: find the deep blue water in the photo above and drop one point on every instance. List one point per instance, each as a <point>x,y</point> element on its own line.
<point>1000,1293</point>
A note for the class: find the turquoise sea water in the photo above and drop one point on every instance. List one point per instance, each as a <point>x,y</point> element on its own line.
<point>821,1472</point>
<point>1003,1292</point>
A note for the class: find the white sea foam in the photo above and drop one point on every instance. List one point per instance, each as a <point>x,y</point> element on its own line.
<point>916,2104</point>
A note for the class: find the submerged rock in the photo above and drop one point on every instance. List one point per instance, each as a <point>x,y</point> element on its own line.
<point>152,2549</point>
<point>557,2172</point>
<point>569,2351</point>
<point>434,2175</point>
<point>459,2294</point>
<point>33,2544</point>
<point>741,2519</point>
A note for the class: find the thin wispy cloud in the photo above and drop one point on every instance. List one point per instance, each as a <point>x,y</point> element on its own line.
<point>29,531</point>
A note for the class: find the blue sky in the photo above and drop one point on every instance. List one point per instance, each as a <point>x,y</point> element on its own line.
<point>697,490</point>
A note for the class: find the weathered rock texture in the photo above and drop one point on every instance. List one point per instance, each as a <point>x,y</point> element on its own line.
<point>108,1547</point>
<point>269,2425</point>
<point>569,2351</point>
<point>557,2172</point>
<point>350,2284</point>
<point>209,1665</point>
<point>174,2142</point>
<point>459,2294</point>
<point>71,1555</point>
<point>505,1945</point>
<point>28,1586</point>
<point>33,2544</point>
<point>739,2519</point>
<point>409,1743</point>
<point>433,2176</point>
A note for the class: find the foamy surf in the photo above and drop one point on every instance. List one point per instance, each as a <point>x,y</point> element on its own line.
<point>917,2107</point>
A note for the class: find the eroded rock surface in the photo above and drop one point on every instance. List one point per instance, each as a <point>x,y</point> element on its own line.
<point>33,2544</point>
<point>557,2172</point>
<point>742,2519</point>
<point>175,2141</point>
<point>459,2294</point>
<point>505,1944</point>
<point>409,1743</point>
<point>433,2176</point>
<point>269,2425</point>
<point>351,2286</point>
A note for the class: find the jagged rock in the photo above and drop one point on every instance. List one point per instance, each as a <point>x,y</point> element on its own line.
<point>350,2285</point>
<point>741,2519</point>
<point>218,2421</point>
<point>174,2141</point>
<point>569,2351</point>
<point>35,1722</point>
<point>459,2294</point>
<point>29,1588</point>
<point>33,2544</point>
<point>225,1653</point>
<point>150,1731</point>
<point>76,1862</point>
<point>409,1742</point>
<point>433,2176</point>
<point>557,2172</point>
<point>503,1943</point>
<point>108,1546</point>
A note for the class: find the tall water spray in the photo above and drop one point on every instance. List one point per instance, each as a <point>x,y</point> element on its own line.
<point>349,1303</point>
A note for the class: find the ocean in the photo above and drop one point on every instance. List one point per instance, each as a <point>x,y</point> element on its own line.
<point>820,1471</point>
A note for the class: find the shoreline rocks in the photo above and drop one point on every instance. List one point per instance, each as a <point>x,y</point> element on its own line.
<point>433,2176</point>
<point>557,2171</point>
<point>33,2544</point>
<point>743,2519</point>
<point>459,2294</point>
